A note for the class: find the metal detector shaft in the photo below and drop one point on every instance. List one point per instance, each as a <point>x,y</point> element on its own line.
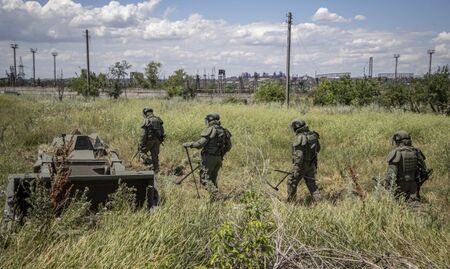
<point>186,176</point>
<point>192,169</point>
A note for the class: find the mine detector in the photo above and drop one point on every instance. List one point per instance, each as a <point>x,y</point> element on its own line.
<point>93,170</point>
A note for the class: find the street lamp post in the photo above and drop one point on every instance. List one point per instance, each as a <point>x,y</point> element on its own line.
<point>54,54</point>
<point>431,51</point>
<point>396,56</point>
<point>33,51</point>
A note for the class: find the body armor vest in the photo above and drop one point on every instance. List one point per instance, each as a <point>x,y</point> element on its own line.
<point>409,164</point>
<point>309,145</point>
<point>219,143</point>
<point>153,125</point>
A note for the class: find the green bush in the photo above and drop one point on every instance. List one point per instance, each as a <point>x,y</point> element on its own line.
<point>430,93</point>
<point>246,243</point>
<point>271,91</point>
<point>175,84</point>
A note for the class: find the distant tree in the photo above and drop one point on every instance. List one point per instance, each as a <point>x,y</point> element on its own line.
<point>151,72</point>
<point>79,84</point>
<point>140,81</point>
<point>117,73</point>
<point>438,90</point>
<point>270,91</point>
<point>175,84</point>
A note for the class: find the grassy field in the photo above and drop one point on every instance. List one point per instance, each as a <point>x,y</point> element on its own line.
<point>253,227</point>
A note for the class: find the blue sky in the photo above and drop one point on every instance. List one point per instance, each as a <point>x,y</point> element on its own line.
<point>411,15</point>
<point>239,36</point>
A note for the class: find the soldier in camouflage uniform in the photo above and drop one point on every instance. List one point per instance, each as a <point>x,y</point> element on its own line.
<point>406,166</point>
<point>305,148</point>
<point>215,142</point>
<point>152,136</point>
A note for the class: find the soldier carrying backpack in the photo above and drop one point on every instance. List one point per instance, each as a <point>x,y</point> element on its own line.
<point>215,142</point>
<point>407,170</point>
<point>305,148</point>
<point>152,136</point>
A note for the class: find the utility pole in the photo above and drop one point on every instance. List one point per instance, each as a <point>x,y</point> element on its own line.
<point>54,54</point>
<point>288,59</point>
<point>14,47</point>
<point>396,56</point>
<point>33,51</point>
<point>431,56</point>
<point>87,62</point>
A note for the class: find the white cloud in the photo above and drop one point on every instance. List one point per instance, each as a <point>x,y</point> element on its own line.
<point>443,50</point>
<point>322,14</point>
<point>133,32</point>
<point>360,17</point>
<point>443,37</point>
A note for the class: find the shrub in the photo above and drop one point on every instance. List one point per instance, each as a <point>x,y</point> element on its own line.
<point>271,91</point>
<point>248,243</point>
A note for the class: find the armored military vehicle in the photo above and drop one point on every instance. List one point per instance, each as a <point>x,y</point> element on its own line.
<point>90,167</point>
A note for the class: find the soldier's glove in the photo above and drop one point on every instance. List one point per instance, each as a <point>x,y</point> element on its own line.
<point>187,144</point>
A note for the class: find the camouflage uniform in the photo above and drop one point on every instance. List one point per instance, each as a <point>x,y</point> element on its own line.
<point>152,136</point>
<point>215,142</point>
<point>405,167</point>
<point>304,158</point>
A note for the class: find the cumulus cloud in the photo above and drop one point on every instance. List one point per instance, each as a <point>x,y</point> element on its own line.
<point>323,14</point>
<point>360,17</point>
<point>133,32</point>
<point>443,37</point>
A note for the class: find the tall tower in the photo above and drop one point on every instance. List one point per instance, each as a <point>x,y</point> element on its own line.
<point>14,47</point>
<point>431,57</point>
<point>396,56</point>
<point>370,67</point>
<point>54,54</point>
<point>21,74</point>
<point>87,62</point>
<point>33,51</point>
<point>288,59</point>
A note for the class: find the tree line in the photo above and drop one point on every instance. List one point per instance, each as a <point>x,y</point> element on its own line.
<point>430,93</point>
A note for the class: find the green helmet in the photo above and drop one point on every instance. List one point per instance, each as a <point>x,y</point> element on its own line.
<point>401,136</point>
<point>297,123</point>
<point>147,110</point>
<point>212,116</point>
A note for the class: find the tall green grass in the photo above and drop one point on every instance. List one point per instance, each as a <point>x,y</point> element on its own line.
<point>185,232</point>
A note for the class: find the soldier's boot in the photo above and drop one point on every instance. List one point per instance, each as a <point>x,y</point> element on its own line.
<point>292,193</point>
<point>214,194</point>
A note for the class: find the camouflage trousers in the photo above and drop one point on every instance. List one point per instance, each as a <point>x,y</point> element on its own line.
<point>209,170</point>
<point>308,172</point>
<point>152,148</point>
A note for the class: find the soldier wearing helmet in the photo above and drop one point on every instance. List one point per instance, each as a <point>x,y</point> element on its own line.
<point>406,166</point>
<point>215,142</point>
<point>152,136</point>
<point>305,148</point>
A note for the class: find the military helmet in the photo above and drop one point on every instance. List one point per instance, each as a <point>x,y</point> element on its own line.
<point>212,116</point>
<point>216,116</point>
<point>297,123</point>
<point>147,110</point>
<point>400,136</point>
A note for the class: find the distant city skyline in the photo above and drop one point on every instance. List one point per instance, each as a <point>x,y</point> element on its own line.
<point>238,36</point>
